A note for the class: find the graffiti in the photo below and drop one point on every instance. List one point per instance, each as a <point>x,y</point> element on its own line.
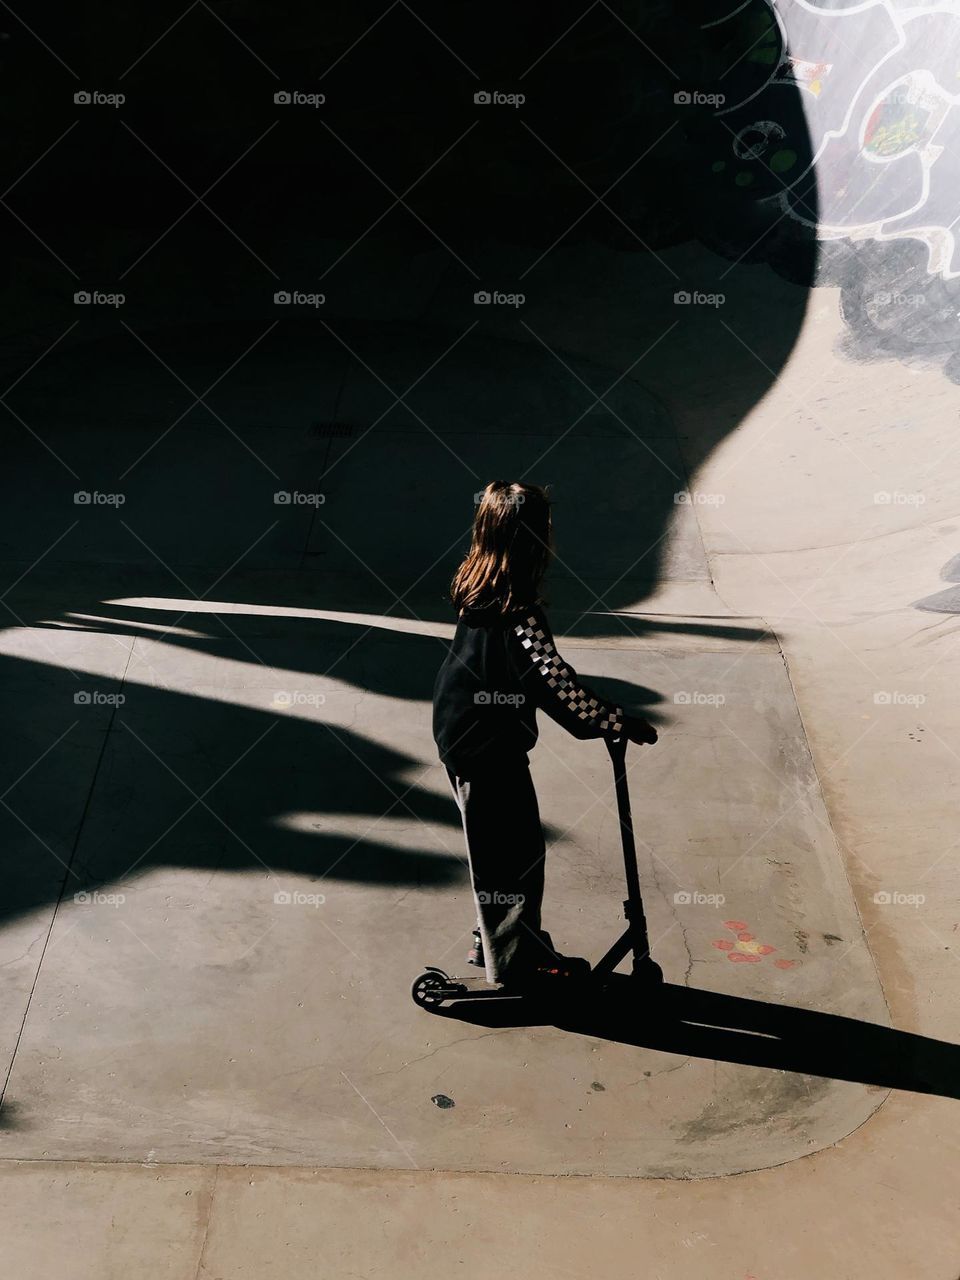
<point>746,949</point>
<point>877,86</point>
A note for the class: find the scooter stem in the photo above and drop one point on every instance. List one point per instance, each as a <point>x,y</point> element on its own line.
<point>617,747</point>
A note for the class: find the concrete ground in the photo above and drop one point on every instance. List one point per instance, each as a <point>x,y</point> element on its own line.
<point>220,887</point>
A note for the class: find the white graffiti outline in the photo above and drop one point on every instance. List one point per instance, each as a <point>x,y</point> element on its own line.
<point>938,239</point>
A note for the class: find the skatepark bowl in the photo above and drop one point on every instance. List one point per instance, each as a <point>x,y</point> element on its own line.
<point>284,291</point>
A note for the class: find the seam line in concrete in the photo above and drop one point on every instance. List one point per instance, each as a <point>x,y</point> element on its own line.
<point>206,1226</point>
<point>63,884</point>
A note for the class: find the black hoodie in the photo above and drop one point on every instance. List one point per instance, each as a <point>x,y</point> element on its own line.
<point>499,669</point>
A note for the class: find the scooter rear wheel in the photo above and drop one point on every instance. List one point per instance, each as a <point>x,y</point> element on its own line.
<point>433,986</point>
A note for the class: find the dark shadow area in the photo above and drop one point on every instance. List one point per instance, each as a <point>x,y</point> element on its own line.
<point>183,781</point>
<point>638,132</point>
<point>706,1024</point>
<point>145,761</point>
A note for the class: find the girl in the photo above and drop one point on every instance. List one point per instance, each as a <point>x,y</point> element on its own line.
<point>502,666</point>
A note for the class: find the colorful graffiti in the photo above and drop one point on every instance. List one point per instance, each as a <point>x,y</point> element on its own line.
<point>744,947</point>
<point>841,120</point>
<point>878,86</point>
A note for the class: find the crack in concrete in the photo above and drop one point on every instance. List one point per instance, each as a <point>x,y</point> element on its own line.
<point>423,1057</point>
<point>677,921</point>
<point>663,1071</point>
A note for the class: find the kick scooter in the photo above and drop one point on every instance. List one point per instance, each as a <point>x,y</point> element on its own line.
<point>434,988</point>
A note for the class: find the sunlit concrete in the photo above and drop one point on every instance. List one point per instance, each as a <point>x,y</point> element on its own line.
<point>199,1063</point>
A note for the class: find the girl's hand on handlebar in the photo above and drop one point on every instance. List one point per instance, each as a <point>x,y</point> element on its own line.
<point>639,730</point>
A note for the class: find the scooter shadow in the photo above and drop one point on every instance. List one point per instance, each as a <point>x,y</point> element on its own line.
<point>706,1024</point>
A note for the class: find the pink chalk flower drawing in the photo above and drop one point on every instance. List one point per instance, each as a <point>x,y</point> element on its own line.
<point>746,949</point>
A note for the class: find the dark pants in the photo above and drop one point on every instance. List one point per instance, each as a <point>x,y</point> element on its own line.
<point>506,851</point>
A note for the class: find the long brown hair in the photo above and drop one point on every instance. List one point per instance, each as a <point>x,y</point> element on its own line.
<point>510,549</point>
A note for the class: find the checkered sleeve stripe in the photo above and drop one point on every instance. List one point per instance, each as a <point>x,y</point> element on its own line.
<point>544,656</point>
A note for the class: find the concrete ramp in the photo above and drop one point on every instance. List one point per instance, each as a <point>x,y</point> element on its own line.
<point>270,855</point>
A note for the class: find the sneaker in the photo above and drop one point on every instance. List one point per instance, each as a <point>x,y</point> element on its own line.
<point>475,954</point>
<point>553,969</point>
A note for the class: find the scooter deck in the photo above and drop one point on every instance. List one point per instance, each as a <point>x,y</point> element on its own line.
<point>435,988</point>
